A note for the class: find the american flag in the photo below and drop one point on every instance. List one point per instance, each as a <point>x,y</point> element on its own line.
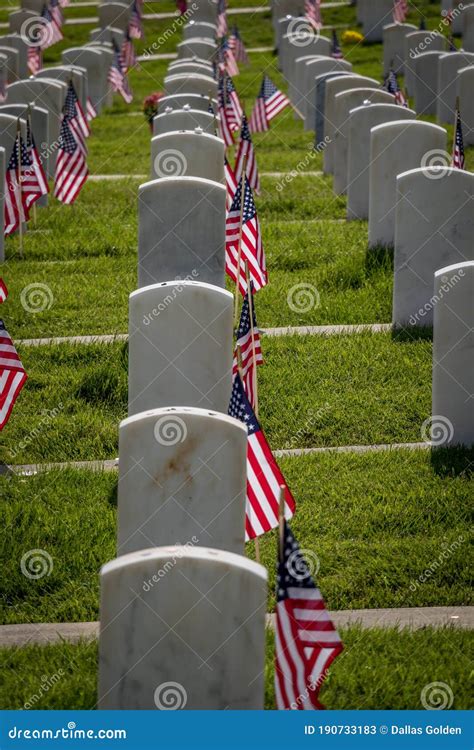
<point>181,6</point>
<point>237,46</point>
<point>56,13</point>
<point>392,86</point>
<point>64,3</point>
<point>35,62</point>
<point>458,159</point>
<point>135,26</point>
<point>227,60</point>
<point>246,149</point>
<point>41,178</point>
<point>312,13</point>
<point>306,641</point>
<point>247,234</point>
<point>71,166</point>
<point>50,32</point>
<point>336,51</point>
<point>225,123</point>
<point>73,112</point>
<point>128,52</point>
<point>3,291</point>
<point>400,10</point>
<point>117,77</point>
<point>269,103</point>
<point>221,19</point>
<point>264,477</point>
<point>13,205</point>
<point>31,189</point>
<point>91,110</point>
<point>231,183</point>
<point>246,345</point>
<point>233,105</point>
<point>12,375</point>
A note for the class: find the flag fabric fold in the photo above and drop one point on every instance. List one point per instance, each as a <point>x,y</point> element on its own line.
<point>243,228</point>
<point>12,375</point>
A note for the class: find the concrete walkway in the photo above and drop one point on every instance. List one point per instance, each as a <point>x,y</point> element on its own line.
<point>44,634</point>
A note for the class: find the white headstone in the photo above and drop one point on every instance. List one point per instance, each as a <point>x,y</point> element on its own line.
<point>181,229</point>
<point>203,48</point>
<point>183,476</point>
<point>184,119</point>
<point>188,154</point>
<point>361,121</point>
<point>425,82</point>
<point>93,60</point>
<point>65,73</point>
<point>375,14</point>
<point>313,68</point>
<point>453,355</point>
<point>434,227</point>
<point>201,29</point>
<point>394,148</point>
<point>415,44</point>
<point>180,101</point>
<point>465,87</point>
<point>180,348</point>
<point>320,98</point>
<point>203,11</point>
<point>12,62</point>
<point>194,83</point>
<point>344,102</point>
<point>448,67</point>
<point>114,14</point>
<point>394,46</point>
<point>468,28</point>
<point>21,45</point>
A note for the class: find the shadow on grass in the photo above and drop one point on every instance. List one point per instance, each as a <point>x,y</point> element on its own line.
<point>412,334</point>
<point>453,462</point>
<point>378,258</point>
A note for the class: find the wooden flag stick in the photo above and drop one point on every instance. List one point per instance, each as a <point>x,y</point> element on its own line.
<point>20,201</point>
<point>252,334</point>
<point>281,521</point>
<point>239,253</point>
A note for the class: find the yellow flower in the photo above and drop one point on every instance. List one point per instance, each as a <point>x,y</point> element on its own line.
<point>352,37</point>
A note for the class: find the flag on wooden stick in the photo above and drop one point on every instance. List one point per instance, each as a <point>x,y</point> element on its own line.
<point>336,51</point>
<point>269,103</point>
<point>264,477</point>
<point>400,10</point>
<point>244,242</point>
<point>50,32</point>
<point>238,47</point>
<point>71,166</point>
<point>392,86</point>
<point>231,183</point>
<point>249,346</point>
<point>12,375</point>
<point>306,641</point>
<point>246,153</point>
<point>13,204</point>
<point>221,19</point>
<point>117,76</point>
<point>312,13</point>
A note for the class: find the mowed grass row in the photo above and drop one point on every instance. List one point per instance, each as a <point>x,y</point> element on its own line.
<point>313,391</point>
<point>379,669</point>
<point>372,525</point>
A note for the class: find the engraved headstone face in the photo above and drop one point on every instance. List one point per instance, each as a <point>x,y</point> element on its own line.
<point>434,227</point>
<point>181,225</point>
<point>453,355</point>
<point>184,628</point>
<point>180,348</point>
<point>396,147</point>
<point>189,154</point>
<point>182,476</point>
<point>361,121</point>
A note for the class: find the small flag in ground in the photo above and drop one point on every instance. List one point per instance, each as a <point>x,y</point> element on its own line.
<point>233,105</point>
<point>306,641</point>
<point>400,10</point>
<point>312,13</point>
<point>246,149</point>
<point>34,59</point>
<point>51,32</point>
<point>64,3</point>
<point>31,189</point>
<point>269,103</point>
<point>458,160</point>
<point>73,112</point>
<point>91,110</point>
<point>264,477</point>
<point>13,206</point>
<point>135,26</point>
<point>117,77</point>
<point>56,13</point>
<point>3,291</point>
<point>225,123</point>
<point>231,183</point>
<point>128,55</point>
<point>392,86</point>
<point>221,19</point>
<point>12,375</point>
<point>238,47</point>
<point>71,166</point>
<point>227,60</point>
<point>336,50</point>
<point>36,160</point>
<point>246,345</point>
<point>250,240</point>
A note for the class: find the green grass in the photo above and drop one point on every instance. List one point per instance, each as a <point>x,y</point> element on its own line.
<point>379,669</point>
<point>314,391</point>
<point>375,522</point>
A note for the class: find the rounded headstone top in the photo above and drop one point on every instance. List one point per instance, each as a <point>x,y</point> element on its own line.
<point>158,555</point>
<point>436,171</point>
<point>454,267</point>
<point>181,283</point>
<point>181,179</point>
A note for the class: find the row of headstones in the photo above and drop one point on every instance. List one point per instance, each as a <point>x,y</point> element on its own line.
<point>110,14</point>
<point>183,625</point>
<point>381,157</point>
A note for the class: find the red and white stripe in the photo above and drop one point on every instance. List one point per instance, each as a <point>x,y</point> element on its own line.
<point>12,376</point>
<point>249,364</point>
<point>91,110</point>
<point>246,149</point>
<point>3,291</point>
<point>258,122</point>
<point>231,184</point>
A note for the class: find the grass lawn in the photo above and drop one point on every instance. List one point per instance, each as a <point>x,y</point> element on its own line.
<point>375,522</point>
<point>379,669</point>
